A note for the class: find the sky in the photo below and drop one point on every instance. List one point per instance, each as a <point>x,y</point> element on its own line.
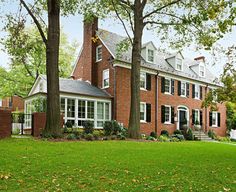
<point>73,27</point>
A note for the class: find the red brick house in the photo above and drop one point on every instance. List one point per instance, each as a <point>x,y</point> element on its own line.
<point>13,103</point>
<point>172,87</point>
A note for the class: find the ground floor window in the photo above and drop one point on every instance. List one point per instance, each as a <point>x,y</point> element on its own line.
<point>214,119</point>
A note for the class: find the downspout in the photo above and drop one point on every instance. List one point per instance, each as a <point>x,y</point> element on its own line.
<point>156,102</point>
<point>111,60</point>
<point>206,122</point>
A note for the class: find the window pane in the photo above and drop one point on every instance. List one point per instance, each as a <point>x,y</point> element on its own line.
<point>107,111</point>
<point>99,123</point>
<point>142,80</point>
<point>197,91</point>
<point>105,78</point>
<point>100,110</point>
<point>183,88</point>
<point>70,108</point>
<point>167,114</point>
<point>150,55</point>
<point>179,64</point>
<point>142,111</point>
<point>90,109</point>
<point>214,116</point>
<point>63,101</point>
<point>167,85</point>
<point>99,53</point>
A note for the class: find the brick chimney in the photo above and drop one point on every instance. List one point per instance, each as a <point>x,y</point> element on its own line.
<point>200,58</point>
<point>84,67</point>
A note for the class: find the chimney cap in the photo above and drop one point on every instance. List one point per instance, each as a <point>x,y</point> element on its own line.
<point>200,58</point>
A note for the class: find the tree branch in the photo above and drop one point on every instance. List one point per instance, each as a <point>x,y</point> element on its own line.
<point>35,21</point>
<point>161,23</point>
<point>160,8</point>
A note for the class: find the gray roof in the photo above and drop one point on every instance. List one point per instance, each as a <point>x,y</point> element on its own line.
<point>80,87</point>
<point>111,41</point>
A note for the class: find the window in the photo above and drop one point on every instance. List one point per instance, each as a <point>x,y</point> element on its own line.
<point>90,109</point>
<point>0,102</point>
<point>183,89</point>
<point>179,64</point>
<point>214,119</point>
<point>202,71</point>
<point>143,112</point>
<point>150,55</point>
<point>70,108</point>
<point>143,80</point>
<point>105,81</point>
<point>197,92</point>
<point>167,85</point>
<point>99,53</point>
<point>167,114</point>
<point>103,113</point>
<point>63,105</point>
<point>196,116</point>
<point>84,114</point>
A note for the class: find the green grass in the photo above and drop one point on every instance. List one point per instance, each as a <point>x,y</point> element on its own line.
<point>34,165</point>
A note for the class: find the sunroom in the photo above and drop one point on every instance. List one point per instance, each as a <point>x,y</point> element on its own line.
<point>79,101</point>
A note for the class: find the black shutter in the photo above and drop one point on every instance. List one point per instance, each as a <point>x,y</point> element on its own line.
<point>193,91</point>
<point>193,116</point>
<point>172,86</point>
<point>148,82</point>
<point>201,117</point>
<point>179,88</point>
<point>187,89</point>
<point>210,118</point>
<point>162,113</point>
<point>172,115</point>
<point>218,120</point>
<point>201,92</point>
<point>148,112</point>
<point>163,84</point>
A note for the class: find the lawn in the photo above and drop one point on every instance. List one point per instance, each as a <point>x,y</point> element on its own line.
<point>33,165</point>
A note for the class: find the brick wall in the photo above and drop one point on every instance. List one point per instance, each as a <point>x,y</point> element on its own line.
<point>5,123</point>
<point>39,122</point>
<point>17,103</point>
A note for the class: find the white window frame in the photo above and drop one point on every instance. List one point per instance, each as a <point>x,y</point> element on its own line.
<point>103,78</point>
<point>0,102</point>
<point>185,92</point>
<point>145,112</point>
<point>145,80</point>
<point>204,70</point>
<point>198,115</point>
<point>167,122</point>
<point>197,87</point>
<point>104,113</point>
<point>169,92</point>
<point>216,122</point>
<point>153,56</point>
<point>176,64</point>
<point>98,53</point>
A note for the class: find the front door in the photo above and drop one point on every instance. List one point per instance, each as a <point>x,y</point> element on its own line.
<point>182,119</point>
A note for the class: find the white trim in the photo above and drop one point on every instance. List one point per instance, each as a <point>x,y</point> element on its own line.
<point>98,47</point>
<point>35,84</point>
<point>168,93</point>
<point>148,55</point>
<point>145,80</point>
<point>0,102</point>
<point>145,112</point>
<point>176,64</point>
<point>104,71</point>
<point>216,124</point>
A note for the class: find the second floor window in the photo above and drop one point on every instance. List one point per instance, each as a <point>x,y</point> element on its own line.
<point>167,86</point>
<point>105,77</point>
<point>197,92</point>
<point>143,80</point>
<point>183,89</point>
<point>150,55</point>
<point>99,53</point>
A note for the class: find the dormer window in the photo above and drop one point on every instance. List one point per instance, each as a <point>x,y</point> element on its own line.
<point>202,71</point>
<point>179,64</point>
<point>150,55</point>
<point>99,53</point>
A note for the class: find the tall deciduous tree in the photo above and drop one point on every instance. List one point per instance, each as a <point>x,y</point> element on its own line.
<point>186,20</point>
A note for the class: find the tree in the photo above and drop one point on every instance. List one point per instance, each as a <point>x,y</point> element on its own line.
<point>187,20</point>
<point>28,59</point>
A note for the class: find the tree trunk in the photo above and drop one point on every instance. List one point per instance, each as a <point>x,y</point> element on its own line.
<point>134,119</point>
<point>53,96</point>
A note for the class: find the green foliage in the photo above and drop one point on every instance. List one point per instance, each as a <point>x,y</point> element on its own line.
<point>212,134</point>
<point>89,137</point>
<point>153,134</point>
<point>223,139</point>
<point>68,124</point>
<point>189,134</point>
<point>231,116</point>
<point>174,139</point>
<point>164,138</point>
<point>71,136</point>
<point>180,137</point>
<point>178,132</point>
<point>165,132</point>
<point>112,128</point>
<point>40,104</point>
<point>88,127</point>
<point>150,138</point>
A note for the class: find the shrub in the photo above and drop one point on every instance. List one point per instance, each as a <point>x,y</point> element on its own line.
<point>112,128</point>
<point>164,138</point>
<point>165,132</point>
<point>16,131</point>
<point>143,136</point>
<point>223,139</point>
<point>68,124</point>
<point>122,137</point>
<point>150,138</point>
<point>107,127</point>
<point>96,135</point>
<point>113,137</point>
<point>88,127</point>
<point>178,132</point>
<point>211,134</point>
<point>124,131</point>
<point>180,137</point>
<point>116,127</point>
<point>89,137</point>
<point>153,134</point>
<point>189,134</point>
<point>71,136</point>
<point>76,133</point>
<point>174,139</point>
